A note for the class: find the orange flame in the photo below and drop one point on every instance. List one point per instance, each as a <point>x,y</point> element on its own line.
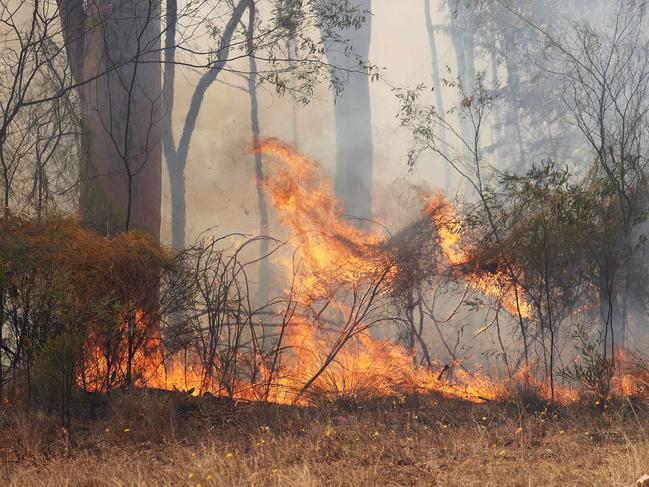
<point>332,248</point>
<point>496,282</point>
<point>333,251</point>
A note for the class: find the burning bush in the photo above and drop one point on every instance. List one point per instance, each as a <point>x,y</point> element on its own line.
<point>147,318</point>
<point>58,279</point>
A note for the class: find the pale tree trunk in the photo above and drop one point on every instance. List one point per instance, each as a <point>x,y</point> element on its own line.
<point>264,227</point>
<point>437,83</point>
<point>513,119</point>
<point>175,167</point>
<point>353,113</point>
<point>176,153</point>
<point>463,44</point>
<point>114,50</point>
<point>495,85</point>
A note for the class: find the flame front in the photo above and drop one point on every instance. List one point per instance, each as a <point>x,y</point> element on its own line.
<point>332,353</point>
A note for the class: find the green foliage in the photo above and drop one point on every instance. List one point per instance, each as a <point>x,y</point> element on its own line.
<point>592,369</point>
<point>542,219</point>
<point>56,370</point>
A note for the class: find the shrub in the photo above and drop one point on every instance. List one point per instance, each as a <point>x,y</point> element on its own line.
<point>56,371</point>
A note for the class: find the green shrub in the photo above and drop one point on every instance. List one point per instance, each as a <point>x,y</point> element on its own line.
<point>56,372</point>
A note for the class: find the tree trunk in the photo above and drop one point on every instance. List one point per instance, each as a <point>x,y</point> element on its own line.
<point>437,83</point>
<point>121,111</point>
<point>613,317</point>
<point>463,47</point>
<point>264,227</point>
<point>353,112</point>
<point>513,122</point>
<point>176,155</point>
<point>497,119</point>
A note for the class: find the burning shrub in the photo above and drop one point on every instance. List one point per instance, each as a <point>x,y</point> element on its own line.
<point>58,281</point>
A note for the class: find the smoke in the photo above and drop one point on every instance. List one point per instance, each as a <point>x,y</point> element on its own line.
<point>221,174</point>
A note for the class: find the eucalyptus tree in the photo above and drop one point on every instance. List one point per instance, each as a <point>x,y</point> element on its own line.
<point>353,113</point>
<point>258,30</point>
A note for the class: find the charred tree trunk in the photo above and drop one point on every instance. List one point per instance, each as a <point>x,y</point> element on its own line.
<point>353,112</point>
<point>114,51</point>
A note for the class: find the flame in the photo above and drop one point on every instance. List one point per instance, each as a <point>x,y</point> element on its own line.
<point>331,248</point>
<point>333,361</point>
<point>496,280</point>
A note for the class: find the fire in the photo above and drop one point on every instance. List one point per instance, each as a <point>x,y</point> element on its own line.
<point>330,350</point>
<point>491,279</point>
<point>332,248</point>
<point>335,250</point>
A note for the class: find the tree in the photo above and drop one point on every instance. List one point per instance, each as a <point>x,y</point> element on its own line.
<point>605,76</point>
<point>114,54</point>
<point>38,126</point>
<point>542,219</point>
<point>353,113</point>
<point>437,82</point>
<point>263,38</point>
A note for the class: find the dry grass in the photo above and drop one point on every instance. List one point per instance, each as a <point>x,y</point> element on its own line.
<point>157,440</point>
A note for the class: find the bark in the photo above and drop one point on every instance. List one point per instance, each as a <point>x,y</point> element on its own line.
<point>353,113</point>
<point>116,58</point>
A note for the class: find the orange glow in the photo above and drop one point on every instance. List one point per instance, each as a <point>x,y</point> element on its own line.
<point>496,283</point>
<point>334,254</point>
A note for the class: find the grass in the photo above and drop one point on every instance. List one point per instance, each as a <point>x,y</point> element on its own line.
<point>152,439</point>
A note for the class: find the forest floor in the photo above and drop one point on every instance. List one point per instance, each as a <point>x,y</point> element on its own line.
<point>152,439</point>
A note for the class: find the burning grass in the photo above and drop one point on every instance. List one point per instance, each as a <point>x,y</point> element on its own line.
<point>299,390</point>
<point>151,438</point>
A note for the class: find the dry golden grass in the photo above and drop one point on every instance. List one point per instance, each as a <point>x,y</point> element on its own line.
<point>155,440</point>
